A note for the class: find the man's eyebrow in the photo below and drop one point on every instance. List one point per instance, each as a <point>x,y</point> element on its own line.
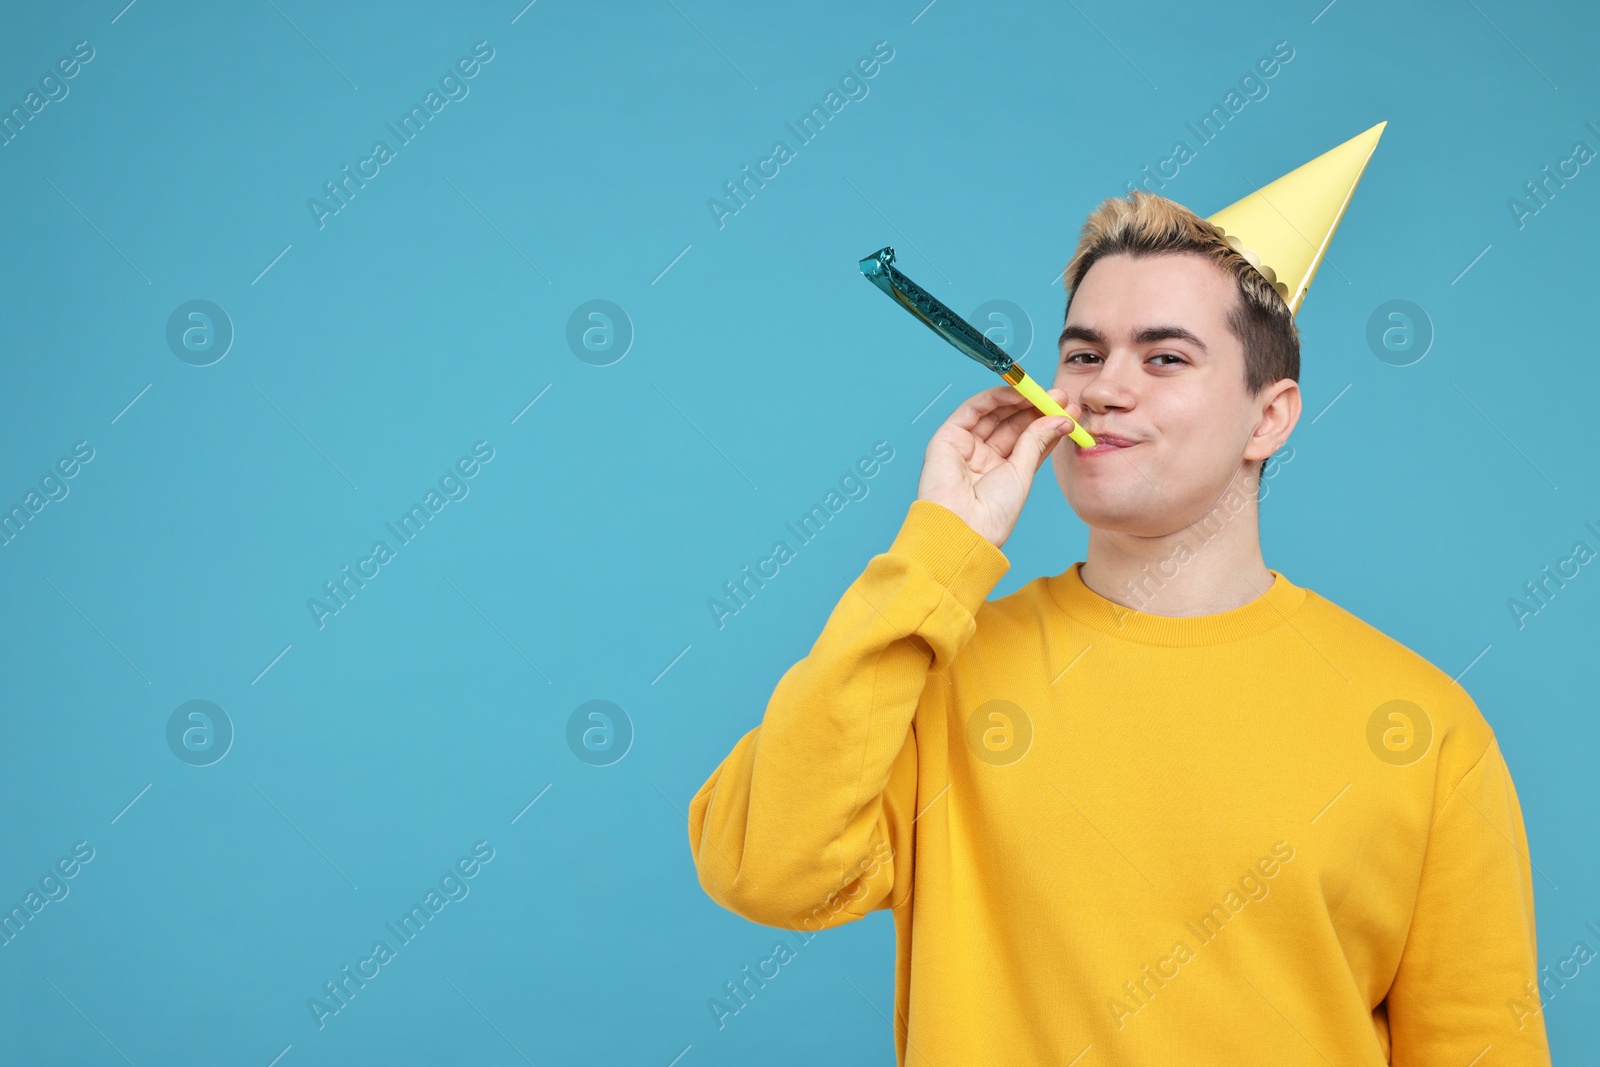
<point>1169,333</point>
<point>1144,336</point>
<point>1080,333</point>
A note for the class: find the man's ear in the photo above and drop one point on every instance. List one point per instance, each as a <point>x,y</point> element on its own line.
<point>1280,410</point>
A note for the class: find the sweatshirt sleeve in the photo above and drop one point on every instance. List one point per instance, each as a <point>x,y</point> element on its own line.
<point>1468,974</point>
<point>806,824</point>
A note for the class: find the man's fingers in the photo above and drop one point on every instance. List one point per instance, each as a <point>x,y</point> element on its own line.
<point>991,425</point>
<point>1009,431</point>
<point>1005,423</point>
<point>1036,442</point>
<point>975,408</point>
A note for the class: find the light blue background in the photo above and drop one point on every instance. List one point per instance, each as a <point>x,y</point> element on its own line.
<point>432,309</point>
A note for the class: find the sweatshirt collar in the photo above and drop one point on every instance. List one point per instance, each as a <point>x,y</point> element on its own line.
<point>1271,609</point>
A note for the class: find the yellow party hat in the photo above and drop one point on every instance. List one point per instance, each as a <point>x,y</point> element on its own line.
<point>1283,229</point>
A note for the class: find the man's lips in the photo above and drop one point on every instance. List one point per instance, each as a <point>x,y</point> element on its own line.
<point>1103,437</point>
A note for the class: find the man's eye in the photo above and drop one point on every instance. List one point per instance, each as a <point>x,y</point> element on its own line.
<point>1074,357</point>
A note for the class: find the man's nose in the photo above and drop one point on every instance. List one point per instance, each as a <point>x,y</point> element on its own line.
<point>1104,389</point>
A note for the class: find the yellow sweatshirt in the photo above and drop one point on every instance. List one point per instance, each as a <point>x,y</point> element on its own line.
<point>1271,835</point>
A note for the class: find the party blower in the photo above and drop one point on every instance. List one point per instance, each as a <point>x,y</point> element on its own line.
<point>880,271</point>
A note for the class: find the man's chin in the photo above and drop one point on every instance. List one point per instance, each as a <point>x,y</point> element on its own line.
<point>1118,513</point>
<point>1121,505</point>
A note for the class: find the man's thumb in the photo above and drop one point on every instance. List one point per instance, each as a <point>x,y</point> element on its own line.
<point>1039,438</point>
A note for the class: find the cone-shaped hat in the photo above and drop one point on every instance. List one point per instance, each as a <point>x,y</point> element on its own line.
<point>1283,229</point>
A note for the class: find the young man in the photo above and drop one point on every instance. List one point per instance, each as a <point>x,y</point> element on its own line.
<point>1167,806</point>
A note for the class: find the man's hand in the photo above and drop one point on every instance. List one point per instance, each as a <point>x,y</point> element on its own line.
<point>981,462</point>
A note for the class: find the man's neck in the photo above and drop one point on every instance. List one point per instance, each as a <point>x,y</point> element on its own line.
<point>1212,565</point>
